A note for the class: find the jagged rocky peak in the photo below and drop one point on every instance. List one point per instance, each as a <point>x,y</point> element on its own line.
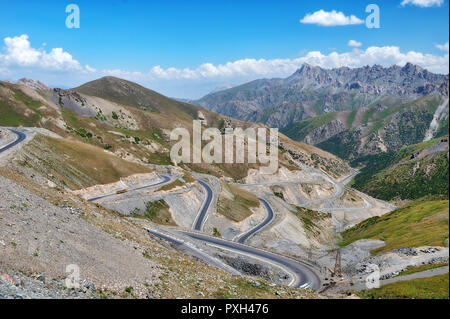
<point>307,70</point>
<point>374,79</point>
<point>35,85</point>
<point>412,69</point>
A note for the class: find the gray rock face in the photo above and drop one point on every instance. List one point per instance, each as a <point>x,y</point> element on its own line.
<point>324,132</point>
<point>72,100</point>
<point>35,85</point>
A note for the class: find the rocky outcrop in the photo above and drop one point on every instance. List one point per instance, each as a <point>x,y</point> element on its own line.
<point>324,132</point>
<point>35,85</point>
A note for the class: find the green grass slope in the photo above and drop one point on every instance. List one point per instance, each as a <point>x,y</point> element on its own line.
<point>299,130</point>
<point>420,223</point>
<point>423,288</point>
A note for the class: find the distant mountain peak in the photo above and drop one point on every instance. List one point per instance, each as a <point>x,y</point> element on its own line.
<point>306,68</point>
<point>313,90</point>
<point>412,68</point>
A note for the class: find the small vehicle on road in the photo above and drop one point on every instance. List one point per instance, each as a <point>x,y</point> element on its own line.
<point>123,191</point>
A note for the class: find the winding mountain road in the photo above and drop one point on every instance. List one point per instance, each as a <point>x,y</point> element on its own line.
<point>194,251</point>
<point>270,216</point>
<point>20,138</point>
<point>165,180</point>
<point>303,275</point>
<point>202,215</point>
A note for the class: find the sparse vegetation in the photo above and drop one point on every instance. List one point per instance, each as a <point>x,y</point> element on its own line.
<point>279,195</point>
<point>172,185</point>
<point>158,212</point>
<point>436,287</point>
<point>87,165</point>
<point>237,206</point>
<point>394,175</point>
<point>414,270</point>
<point>216,233</point>
<point>188,178</point>
<point>419,223</point>
<point>310,219</point>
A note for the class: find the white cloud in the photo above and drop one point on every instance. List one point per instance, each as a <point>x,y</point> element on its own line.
<point>423,3</point>
<point>442,47</point>
<point>89,69</point>
<point>19,53</point>
<point>354,43</point>
<point>329,19</point>
<point>386,56</point>
<point>19,59</point>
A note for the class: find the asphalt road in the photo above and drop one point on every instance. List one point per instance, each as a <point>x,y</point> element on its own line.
<point>199,220</point>
<point>164,181</point>
<point>270,216</point>
<point>303,275</point>
<point>194,252</point>
<point>20,138</point>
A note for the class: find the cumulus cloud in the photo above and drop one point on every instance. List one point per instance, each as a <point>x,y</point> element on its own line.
<point>442,47</point>
<point>386,56</point>
<point>19,53</point>
<point>329,19</point>
<point>19,59</point>
<point>89,69</point>
<point>354,43</point>
<point>423,3</point>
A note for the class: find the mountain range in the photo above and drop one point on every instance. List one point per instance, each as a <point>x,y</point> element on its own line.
<point>349,112</point>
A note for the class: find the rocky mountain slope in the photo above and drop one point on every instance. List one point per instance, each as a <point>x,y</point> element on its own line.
<point>412,172</point>
<point>349,112</point>
<point>369,131</point>
<point>130,121</point>
<point>312,91</point>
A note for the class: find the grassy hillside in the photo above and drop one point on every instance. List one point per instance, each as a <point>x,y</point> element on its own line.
<point>419,223</point>
<point>132,122</point>
<point>235,203</point>
<point>299,130</point>
<point>17,109</point>
<point>131,94</point>
<point>158,212</point>
<point>75,164</point>
<point>409,173</point>
<point>424,288</point>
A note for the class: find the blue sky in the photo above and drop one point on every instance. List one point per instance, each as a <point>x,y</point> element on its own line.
<point>188,48</point>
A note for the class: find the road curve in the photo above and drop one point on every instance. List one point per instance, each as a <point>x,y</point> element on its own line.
<point>200,219</point>
<point>303,275</point>
<point>270,216</point>
<point>20,138</point>
<point>164,181</point>
<point>194,252</point>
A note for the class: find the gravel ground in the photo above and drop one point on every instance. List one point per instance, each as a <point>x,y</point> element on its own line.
<point>38,237</point>
<point>37,286</point>
<point>5,137</point>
